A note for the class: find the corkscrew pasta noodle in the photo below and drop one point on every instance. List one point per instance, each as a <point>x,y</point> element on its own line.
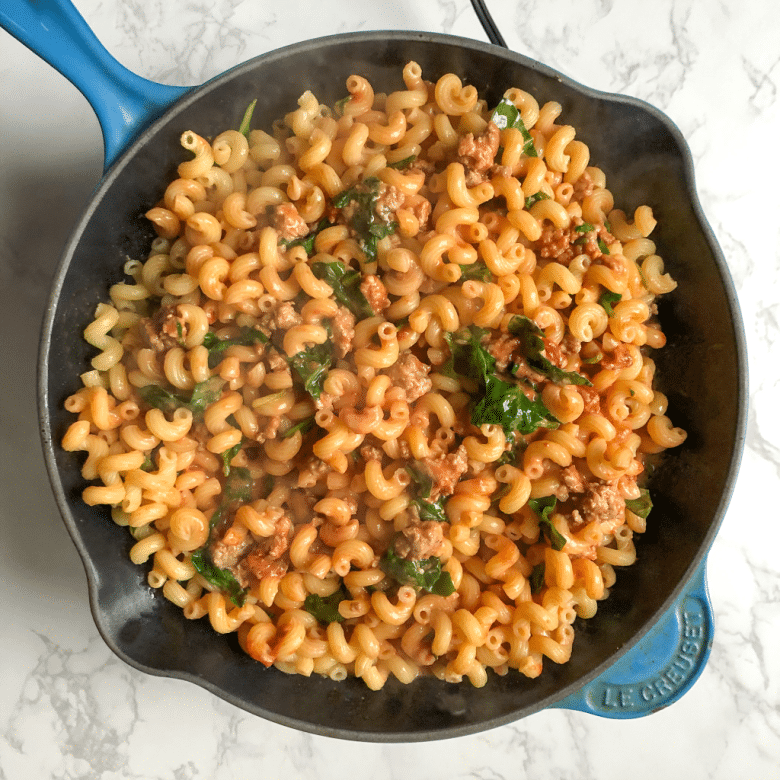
<point>380,398</point>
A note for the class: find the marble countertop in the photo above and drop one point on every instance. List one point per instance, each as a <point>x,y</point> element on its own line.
<point>70,709</point>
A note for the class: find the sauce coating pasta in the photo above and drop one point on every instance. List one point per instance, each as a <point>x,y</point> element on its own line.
<point>380,397</point>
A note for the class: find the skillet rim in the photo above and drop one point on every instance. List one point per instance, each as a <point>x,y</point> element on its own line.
<point>588,93</point>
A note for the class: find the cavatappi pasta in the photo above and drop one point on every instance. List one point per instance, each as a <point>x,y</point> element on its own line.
<point>379,398</point>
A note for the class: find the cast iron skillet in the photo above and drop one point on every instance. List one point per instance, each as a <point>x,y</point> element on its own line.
<point>703,371</point>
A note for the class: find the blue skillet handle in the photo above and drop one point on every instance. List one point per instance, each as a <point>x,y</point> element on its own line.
<point>661,667</point>
<point>124,103</point>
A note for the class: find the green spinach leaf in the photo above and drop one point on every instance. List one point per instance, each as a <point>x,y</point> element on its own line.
<point>398,164</point>
<point>640,506</point>
<point>507,405</point>
<point>222,579</point>
<point>160,398</point>
<point>422,480</point>
<point>537,578</point>
<point>607,298</point>
<point>326,608</point>
<point>477,271</point>
<point>228,455</point>
<point>467,355</point>
<point>501,403</point>
<point>238,485</point>
<point>246,338</point>
<point>345,282</point>
<point>217,516</point>
<point>423,484</point>
<point>505,114</point>
<point>247,120</point>
<point>430,510</point>
<point>532,345</point>
<point>304,426</point>
<point>509,457</point>
<point>307,242</point>
<point>363,219</point>
<point>543,508</point>
<point>203,394</point>
<point>535,198</point>
<point>425,574</point>
<point>312,366</point>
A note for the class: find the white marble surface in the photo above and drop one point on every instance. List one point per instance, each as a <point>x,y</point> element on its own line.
<point>70,709</point>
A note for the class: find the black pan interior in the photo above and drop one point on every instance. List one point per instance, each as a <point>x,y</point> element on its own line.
<point>703,372</point>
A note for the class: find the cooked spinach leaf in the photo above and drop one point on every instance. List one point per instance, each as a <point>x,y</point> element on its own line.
<point>507,405</point>
<point>222,579</point>
<point>422,480</point>
<point>307,242</point>
<point>430,510</point>
<point>501,403</point>
<point>425,574</point>
<point>304,426</point>
<point>597,358</point>
<point>543,508</point>
<point>326,608</point>
<point>535,198</point>
<point>203,394</point>
<point>160,398</point>
<point>312,366</point>
<point>402,163</point>
<point>586,227</point>
<point>238,486</point>
<point>363,193</point>
<point>537,578</point>
<point>247,120</point>
<point>477,271</point>
<point>467,355</point>
<point>363,219</point>
<point>532,345</point>
<point>423,484</point>
<point>607,298</point>
<point>640,506</point>
<point>345,282</point>
<point>506,114</point>
<point>246,338</point>
<point>217,516</point>
<point>228,455</point>
<point>509,457</point>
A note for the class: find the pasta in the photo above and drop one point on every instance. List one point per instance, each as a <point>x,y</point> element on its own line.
<point>380,398</point>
